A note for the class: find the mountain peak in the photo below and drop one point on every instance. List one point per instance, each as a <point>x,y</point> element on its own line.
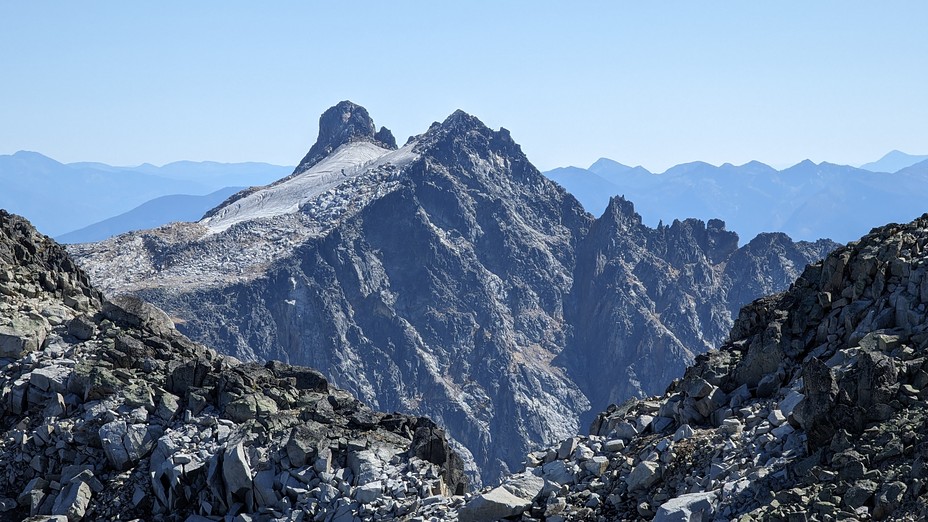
<point>343,123</point>
<point>621,211</point>
<point>805,164</point>
<point>460,124</point>
<point>461,120</point>
<point>608,166</point>
<point>893,161</point>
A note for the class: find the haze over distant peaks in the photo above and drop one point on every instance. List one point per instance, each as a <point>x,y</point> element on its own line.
<point>151,214</point>
<point>806,201</point>
<point>60,198</point>
<point>893,162</point>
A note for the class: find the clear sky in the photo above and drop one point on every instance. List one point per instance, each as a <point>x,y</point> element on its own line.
<point>650,83</point>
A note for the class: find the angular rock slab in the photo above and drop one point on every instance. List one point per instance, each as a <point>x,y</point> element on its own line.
<point>493,505</point>
<point>692,507</point>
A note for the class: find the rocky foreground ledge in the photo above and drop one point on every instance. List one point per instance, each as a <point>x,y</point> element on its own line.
<point>110,414</point>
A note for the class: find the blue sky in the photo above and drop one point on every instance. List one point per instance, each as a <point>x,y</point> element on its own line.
<point>651,83</point>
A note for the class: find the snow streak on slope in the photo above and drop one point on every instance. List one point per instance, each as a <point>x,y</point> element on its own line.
<point>347,161</point>
<point>239,241</point>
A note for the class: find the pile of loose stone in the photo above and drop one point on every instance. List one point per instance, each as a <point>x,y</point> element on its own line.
<point>110,414</point>
<point>814,410</point>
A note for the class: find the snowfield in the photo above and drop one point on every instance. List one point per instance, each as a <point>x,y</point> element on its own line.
<point>348,161</point>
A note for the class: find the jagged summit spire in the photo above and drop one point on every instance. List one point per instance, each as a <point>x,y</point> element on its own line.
<point>621,209</point>
<point>345,122</point>
<point>460,124</point>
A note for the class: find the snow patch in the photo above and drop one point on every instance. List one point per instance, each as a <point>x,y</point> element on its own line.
<point>346,162</point>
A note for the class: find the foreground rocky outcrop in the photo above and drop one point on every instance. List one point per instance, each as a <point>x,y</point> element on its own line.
<point>449,278</point>
<point>110,413</point>
<point>814,409</point>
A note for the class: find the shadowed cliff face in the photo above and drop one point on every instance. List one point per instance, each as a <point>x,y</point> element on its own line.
<point>466,286</point>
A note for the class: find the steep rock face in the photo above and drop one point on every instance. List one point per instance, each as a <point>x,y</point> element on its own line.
<point>447,278</point>
<point>761,266</point>
<point>646,301</point>
<point>443,296</point>
<point>341,124</point>
<point>111,413</point>
<point>813,409</point>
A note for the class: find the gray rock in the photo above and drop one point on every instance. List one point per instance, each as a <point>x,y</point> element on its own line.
<point>23,334</point>
<point>624,430</point>
<point>304,378</point>
<point>614,445</point>
<point>526,486</point>
<point>36,485</point>
<point>323,462</point>
<point>661,424</point>
<point>265,495</point>
<point>301,447</point>
<point>692,507</point>
<point>84,475</point>
<point>82,327</point>
<point>140,439</point>
<point>888,499</point>
<point>643,476</point>
<point>131,311</point>
<point>768,385</point>
<point>242,409</point>
<point>112,435</point>
<point>493,505</point>
<point>365,465</point>
<point>72,501</point>
<point>369,492</point>
<point>739,396</point>
<point>814,412</point>
<point>789,403</point>
<point>236,473</point>
<point>168,406</point>
<point>558,472</point>
<point>698,388</point>
<point>683,432</point>
<point>567,447</point>
<point>51,378</point>
<point>858,494</point>
<point>583,453</point>
<point>597,465</point>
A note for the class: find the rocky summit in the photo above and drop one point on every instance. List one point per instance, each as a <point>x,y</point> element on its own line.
<point>813,409</point>
<point>450,278</point>
<point>341,124</point>
<point>110,414</point>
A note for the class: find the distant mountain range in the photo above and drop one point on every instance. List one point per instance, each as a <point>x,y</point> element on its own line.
<point>893,161</point>
<point>151,214</point>
<point>806,201</point>
<point>60,198</point>
<point>88,201</point>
